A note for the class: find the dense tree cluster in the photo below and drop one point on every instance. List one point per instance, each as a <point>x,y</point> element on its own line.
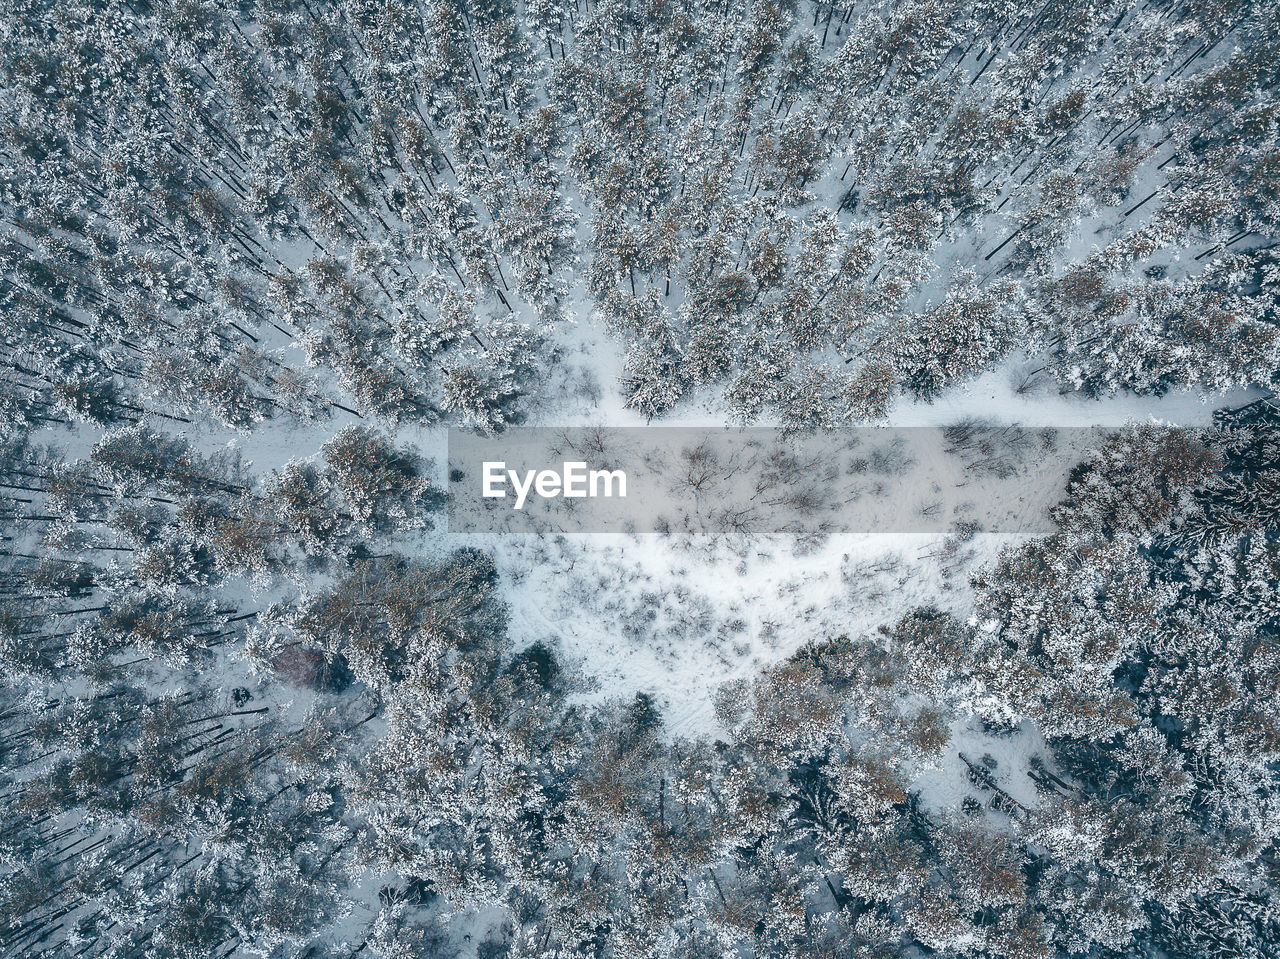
<point>289,207</point>
<point>773,186</point>
<point>239,211</point>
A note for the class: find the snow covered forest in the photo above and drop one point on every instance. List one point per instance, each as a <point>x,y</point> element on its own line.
<point>256,698</point>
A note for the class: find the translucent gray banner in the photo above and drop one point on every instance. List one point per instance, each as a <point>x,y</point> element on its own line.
<point>753,482</point>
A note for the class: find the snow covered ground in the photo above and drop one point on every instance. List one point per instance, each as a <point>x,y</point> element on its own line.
<point>641,614</point>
